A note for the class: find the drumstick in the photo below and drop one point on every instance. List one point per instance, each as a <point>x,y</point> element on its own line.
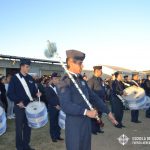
<point>39,96</point>
<point>50,52</point>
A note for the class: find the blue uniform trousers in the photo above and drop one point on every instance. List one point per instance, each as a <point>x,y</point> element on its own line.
<point>118,109</point>
<point>147,113</point>
<point>78,133</point>
<point>134,115</point>
<point>23,131</point>
<point>54,127</point>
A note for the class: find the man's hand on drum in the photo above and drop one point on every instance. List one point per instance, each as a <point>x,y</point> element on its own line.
<point>57,107</point>
<point>124,93</point>
<point>91,113</point>
<point>21,105</point>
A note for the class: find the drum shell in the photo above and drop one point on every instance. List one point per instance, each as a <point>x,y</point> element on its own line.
<point>136,105</point>
<point>136,98</point>
<point>3,124</point>
<point>61,120</point>
<point>134,93</point>
<point>37,120</point>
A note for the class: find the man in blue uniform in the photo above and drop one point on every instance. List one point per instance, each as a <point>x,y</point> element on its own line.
<point>147,91</point>
<point>96,84</point>
<point>17,92</point>
<point>117,89</point>
<point>135,113</point>
<point>53,107</point>
<point>126,80</point>
<point>78,114</point>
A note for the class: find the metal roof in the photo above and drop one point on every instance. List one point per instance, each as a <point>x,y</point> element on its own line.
<point>32,59</point>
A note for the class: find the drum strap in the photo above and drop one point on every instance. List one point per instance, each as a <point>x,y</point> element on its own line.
<point>54,88</point>
<point>135,83</point>
<point>121,98</point>
<point>25,86</point>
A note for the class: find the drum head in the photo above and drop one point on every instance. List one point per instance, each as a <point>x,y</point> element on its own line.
<point>35,107</point>
<point>134,93</point>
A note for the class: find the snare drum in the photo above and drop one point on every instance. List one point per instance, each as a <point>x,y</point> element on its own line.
<point>61,120</point>
<point>135,98</point>
<point>36,113</point>
<point>2,121</point>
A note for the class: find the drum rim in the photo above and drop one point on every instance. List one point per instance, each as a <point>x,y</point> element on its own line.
<point>37,103</point>
<point>43,113</point>
<point>36,115</point>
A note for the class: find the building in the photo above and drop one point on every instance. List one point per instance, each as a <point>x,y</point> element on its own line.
<point>147,72</point>
<point>39,67</point>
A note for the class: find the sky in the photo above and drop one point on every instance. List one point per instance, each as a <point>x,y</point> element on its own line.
<point>109,32</point>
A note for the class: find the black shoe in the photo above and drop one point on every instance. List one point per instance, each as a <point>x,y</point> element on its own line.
<point>118,126</point>
<point>123,126</point>
<point>95,133</point>
<point>136,121</point>
<point>30,149</point>
<point>60,139</point>
<point>54,140</point>
<point>147,116</point>
<point>100,131</point>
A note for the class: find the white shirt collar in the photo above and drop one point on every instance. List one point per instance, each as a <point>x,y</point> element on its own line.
<point>73,73</point>
<point>54,88</point>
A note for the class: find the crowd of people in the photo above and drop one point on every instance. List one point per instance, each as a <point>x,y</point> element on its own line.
<point>59,93</point>
<point>7,104</point>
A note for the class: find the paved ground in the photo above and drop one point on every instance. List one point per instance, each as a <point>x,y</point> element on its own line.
<point>107,141</point>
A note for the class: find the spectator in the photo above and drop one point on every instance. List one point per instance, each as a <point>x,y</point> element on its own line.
<point>10,109</point>
<point>3,93</point>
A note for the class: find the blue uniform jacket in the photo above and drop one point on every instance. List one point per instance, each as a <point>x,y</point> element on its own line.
<point>72,102</point>
<point>96,84</point>
<point>117,87</point>
<point>78,126</point>
<point>16,91</point>
<point>51,97</point>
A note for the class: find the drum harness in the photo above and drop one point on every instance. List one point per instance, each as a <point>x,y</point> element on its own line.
<point>25,86</point>
<point>121,98</point>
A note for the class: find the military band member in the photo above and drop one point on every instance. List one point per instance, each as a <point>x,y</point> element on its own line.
<point>117,89</point>
<point>126,81</point>
<point>96,84</point>
<point>3,93</point>
<point>17,93</point>
<point>78,115</point>
<point>135,113</point>
<point>147,91</point>
<point>111,92</point>
<point>53,107</point>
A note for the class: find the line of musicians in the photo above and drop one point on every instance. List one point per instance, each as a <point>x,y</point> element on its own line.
<point>146,86</point>
<point>117,87</point>
<point>17,94</point>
